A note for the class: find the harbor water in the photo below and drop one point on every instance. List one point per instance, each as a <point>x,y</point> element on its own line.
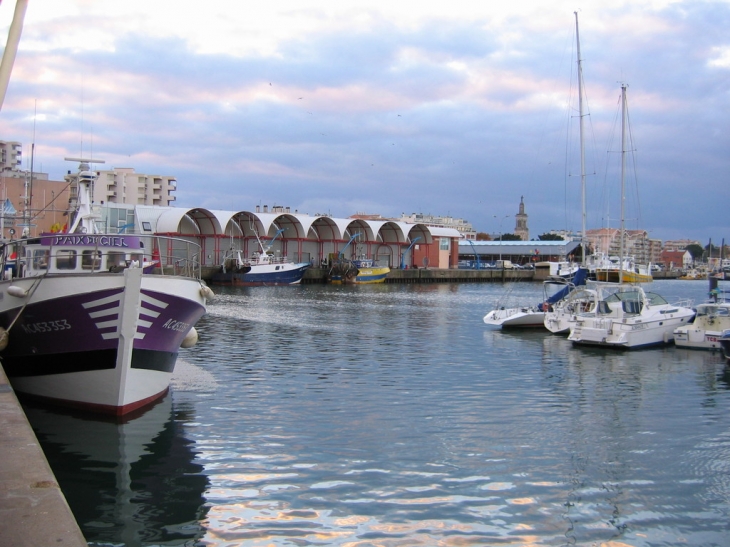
<point>391,415</point>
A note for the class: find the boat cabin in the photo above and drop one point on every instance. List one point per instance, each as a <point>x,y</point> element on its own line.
<point>69,253</point>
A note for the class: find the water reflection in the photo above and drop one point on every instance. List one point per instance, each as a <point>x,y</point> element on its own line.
<point>390,416</point>
<point>132,483</point>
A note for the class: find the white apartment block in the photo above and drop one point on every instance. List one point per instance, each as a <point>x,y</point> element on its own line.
<point>11,157</point>
<point>123,185</point>
<point>636,243</point>
<point>464,227</point>
<point>680,244</point>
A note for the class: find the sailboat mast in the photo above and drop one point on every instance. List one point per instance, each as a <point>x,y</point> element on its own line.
<point>582,144</point>
<point>623,178</point>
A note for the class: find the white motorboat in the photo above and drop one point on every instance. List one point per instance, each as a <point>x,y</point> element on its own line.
<point>711,319</point>
<point>556,290</point>
<point>630,318</point>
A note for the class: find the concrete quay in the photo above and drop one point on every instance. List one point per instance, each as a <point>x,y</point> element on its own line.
<point>33,510</point>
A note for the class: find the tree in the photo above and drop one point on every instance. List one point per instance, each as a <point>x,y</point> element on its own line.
<point>712,250</point>
<point>482,236</point>
<point>550,237</point>
<point>696,251</point>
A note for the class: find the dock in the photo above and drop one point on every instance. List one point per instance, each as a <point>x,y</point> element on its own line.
<point>33,510</point>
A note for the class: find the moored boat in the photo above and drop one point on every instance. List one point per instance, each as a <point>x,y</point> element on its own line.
<point>360,272</point>
<point>263,268</point>
<point>562,316</point>
<point>84,324</point>
<point>356,271</point>
<point>711,319</point>
<point>556,290</point>
<point>615,270</point>
<point>630,318</point>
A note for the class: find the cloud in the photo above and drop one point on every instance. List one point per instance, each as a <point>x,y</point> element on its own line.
<point>386,107</point>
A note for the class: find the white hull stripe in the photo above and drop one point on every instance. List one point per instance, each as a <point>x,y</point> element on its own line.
<point>107,319</point>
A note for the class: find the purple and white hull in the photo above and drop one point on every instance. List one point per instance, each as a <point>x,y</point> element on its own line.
<point>106,342</point>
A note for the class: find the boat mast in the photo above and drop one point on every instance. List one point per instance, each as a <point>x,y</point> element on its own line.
<point>85,220</point>
<point>582,145</point>
<point>623,176</point>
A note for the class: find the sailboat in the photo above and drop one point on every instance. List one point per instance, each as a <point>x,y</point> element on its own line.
<point>626,316</point>
<point>557,288</point>
<point>560,317</point>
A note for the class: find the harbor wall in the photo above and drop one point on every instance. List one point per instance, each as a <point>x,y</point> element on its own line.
<point>33,510</point>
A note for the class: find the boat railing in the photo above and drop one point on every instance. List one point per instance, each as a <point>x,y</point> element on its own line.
<point>160,255</point>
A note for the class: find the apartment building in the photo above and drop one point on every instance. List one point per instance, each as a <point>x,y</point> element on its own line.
<point>636,243</point>
<point>124,185</point>
<point>11,156</point>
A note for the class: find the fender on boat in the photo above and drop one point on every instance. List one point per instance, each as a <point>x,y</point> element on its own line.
<point>191,338</point>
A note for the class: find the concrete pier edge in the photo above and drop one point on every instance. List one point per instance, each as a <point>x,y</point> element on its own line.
<point>33,510</point>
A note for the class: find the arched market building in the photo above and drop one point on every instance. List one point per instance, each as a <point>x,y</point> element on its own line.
<point>299,237</point>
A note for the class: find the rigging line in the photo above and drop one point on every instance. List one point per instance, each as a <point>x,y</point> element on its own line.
<point>606,194</point>
<point>633,150</point>
<point>51,202</point>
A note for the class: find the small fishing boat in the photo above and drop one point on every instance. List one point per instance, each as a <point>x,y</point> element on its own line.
<point>262,268</point>
<point>95,320</point>
<point>356,271</point>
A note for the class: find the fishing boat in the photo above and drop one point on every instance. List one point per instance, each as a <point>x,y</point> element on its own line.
<point>81,322</point>
<point>628,317</point>
<point>356,271</point>
<point>262,268</point>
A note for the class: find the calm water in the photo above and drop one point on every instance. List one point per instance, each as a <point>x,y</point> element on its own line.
<point>392,416</point>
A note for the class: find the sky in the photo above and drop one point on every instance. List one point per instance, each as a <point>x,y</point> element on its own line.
<point>454,108</point>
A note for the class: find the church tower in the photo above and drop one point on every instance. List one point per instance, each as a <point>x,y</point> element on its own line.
<point>521,228</point>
